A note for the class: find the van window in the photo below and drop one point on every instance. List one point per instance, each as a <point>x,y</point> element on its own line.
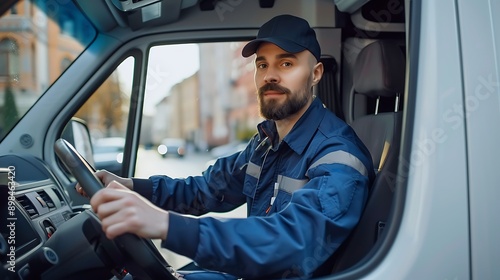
<point>38,41</point>
<point>106,114</point>
<point>200,104</point>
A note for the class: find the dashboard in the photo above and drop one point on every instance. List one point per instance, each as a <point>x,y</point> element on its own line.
<point>44,237</point>
<point>34,206</point>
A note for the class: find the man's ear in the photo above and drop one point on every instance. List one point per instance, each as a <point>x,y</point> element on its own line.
<point>317,73</point>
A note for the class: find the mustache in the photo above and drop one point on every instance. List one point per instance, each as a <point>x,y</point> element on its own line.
<point>273,87</point>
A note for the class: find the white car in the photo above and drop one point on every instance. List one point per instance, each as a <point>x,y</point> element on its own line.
<point>108,153</point>
<point>172,146</point>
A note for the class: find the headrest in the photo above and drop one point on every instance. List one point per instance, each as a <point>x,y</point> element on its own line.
<point>380,70</point>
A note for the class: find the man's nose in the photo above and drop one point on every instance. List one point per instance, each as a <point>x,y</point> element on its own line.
<point>271,75</point>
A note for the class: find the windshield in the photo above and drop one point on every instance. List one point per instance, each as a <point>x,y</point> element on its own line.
<point>38,41</point>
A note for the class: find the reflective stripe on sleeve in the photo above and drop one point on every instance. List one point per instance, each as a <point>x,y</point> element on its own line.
<point>341,157</point>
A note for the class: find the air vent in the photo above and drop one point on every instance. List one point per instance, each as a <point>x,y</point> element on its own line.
<point>59,196</point>
<point>46,198</point>
<point>27,205</point>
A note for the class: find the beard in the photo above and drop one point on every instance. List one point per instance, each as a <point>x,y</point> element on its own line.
<point>272,109</point>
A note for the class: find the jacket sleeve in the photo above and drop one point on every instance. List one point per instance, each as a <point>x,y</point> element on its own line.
<point>291,243</point>
<point>218,189</point>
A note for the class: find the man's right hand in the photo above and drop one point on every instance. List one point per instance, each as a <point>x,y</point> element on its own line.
<point>107,177</point>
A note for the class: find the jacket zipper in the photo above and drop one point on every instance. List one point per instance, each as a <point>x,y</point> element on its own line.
<point>276,185</point>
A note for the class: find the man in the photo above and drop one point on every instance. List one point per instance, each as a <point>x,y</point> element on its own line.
<point>304,176</point>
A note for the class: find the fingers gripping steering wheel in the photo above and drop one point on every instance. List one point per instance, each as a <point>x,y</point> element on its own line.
<point>141,257</point>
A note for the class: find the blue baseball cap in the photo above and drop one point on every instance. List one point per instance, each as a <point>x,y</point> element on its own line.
<point>291,33</point>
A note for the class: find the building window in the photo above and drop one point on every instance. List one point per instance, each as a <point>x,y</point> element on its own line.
<point>13,10</point>
<point>65,63</point>
<point>34,68</point>
<point>9,59</point>
<point>67,26</point>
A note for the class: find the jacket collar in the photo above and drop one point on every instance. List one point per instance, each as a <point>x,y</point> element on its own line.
<point>302,132</point>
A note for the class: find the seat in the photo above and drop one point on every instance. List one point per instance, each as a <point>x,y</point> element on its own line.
<point>327,90</point>
<point>379,73</point>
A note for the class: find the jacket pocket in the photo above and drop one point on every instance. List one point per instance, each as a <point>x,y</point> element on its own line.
<point>282,200</point>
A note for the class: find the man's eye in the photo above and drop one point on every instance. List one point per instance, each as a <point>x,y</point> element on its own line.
<point>261,66</point>
<point>287,64</point>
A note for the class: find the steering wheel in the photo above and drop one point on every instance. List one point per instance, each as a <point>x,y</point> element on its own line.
<point>141,257</point>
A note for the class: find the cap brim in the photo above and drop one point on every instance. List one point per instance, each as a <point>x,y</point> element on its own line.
<point>286,45</point>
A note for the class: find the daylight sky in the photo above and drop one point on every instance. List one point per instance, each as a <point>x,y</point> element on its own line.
<point>167,66</point>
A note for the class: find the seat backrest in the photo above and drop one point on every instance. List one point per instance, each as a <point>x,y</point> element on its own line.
<point>379,72</point>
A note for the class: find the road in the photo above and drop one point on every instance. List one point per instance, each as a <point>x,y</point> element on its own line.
<point>149,162</point>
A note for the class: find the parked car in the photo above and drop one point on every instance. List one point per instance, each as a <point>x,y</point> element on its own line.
<point>173,147</point>
<point>429,122</point>
<point>108,153</point>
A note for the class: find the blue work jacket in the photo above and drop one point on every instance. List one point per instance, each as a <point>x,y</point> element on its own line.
<point>304,196</point>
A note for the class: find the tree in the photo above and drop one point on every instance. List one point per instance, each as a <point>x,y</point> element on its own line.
<point>9,114</point>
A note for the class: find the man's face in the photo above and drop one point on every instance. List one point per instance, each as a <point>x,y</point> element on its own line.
<point>283,81</point>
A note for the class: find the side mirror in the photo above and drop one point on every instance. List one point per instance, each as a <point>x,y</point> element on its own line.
<point>77,133</point>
